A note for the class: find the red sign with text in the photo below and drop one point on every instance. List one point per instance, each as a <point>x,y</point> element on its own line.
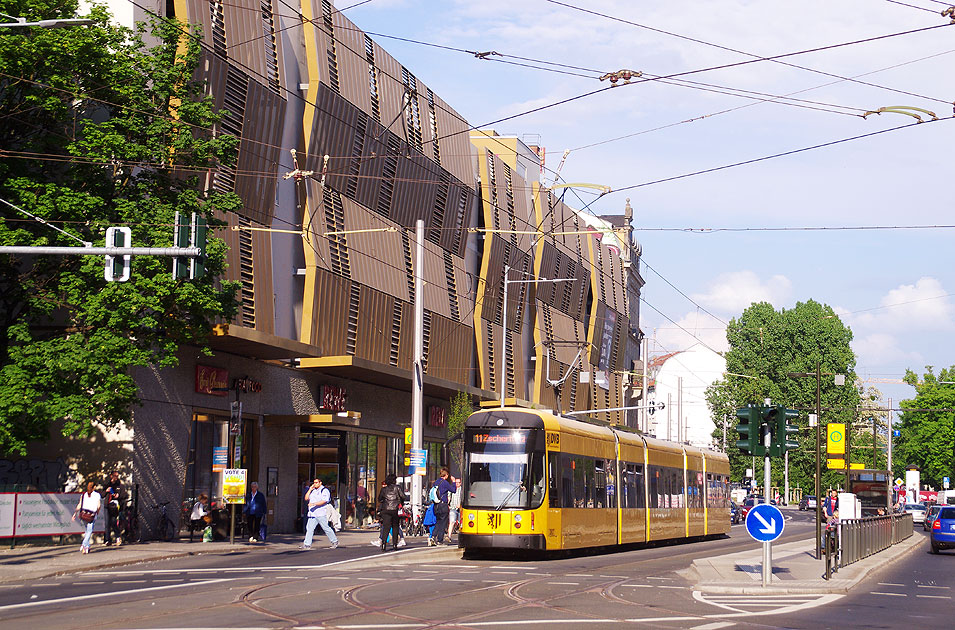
<point>212,380</point>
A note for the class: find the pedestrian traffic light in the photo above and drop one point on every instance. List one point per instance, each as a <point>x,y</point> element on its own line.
<point>782,431</point>
<point>117,267</point>
<point>748,428</point>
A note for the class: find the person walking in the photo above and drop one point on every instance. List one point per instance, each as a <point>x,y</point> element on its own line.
<point>389,500</point>
<point>454,505</point>
<point>115,501</point>
<point>254,510</point>
<point>444,487</point>
<point>87,509</point>
<point>317,498</point>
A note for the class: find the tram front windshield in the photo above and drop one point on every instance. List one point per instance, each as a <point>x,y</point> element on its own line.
<point>504,470</point>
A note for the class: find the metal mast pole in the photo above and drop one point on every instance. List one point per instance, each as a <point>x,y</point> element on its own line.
<point>644,413</point>
<point>818,468</point>
<point>767,546</point>
<point>417,393</point>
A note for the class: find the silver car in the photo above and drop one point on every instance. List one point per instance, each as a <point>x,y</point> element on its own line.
<point>917,510</point>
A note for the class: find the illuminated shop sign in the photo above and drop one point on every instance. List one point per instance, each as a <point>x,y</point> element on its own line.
<point>333,398</point>
<point>437,416</point>
<point>212,380</point>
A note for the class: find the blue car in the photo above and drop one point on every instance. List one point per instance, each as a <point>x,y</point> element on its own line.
<point>943,529</point>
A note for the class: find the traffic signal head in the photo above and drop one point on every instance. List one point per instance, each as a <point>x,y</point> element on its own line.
<point>782,431</point>
<point>747,425</point>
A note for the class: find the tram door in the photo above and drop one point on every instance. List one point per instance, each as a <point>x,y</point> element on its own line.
<point>319,452</point>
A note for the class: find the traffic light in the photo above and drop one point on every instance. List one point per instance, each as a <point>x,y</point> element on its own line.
<point>748,427</point>
<point>782,431</point>
<point>192,234</point>
<point>117,267</point>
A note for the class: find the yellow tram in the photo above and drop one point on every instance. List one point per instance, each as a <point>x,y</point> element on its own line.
<point>537,481</point>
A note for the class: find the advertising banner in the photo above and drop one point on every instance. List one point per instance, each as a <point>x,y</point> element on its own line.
<point>49,514</point>
<point>8,507</point>
<point>233,485</point>
<point>220,458</point>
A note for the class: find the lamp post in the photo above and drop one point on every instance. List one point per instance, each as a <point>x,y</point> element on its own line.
<point>839,380</point>
<point>507,282</point>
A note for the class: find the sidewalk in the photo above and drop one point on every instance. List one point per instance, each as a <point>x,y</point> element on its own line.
<point>35,562</point>
<point>795,570</point>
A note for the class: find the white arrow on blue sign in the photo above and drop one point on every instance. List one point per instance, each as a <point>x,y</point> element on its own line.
<point>765,522</point>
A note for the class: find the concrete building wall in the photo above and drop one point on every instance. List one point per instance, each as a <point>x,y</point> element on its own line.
<point>699,367</point>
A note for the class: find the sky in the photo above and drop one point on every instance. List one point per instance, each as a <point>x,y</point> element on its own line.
<point>770,230</point>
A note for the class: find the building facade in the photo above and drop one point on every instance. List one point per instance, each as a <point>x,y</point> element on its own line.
<point>342,151</point>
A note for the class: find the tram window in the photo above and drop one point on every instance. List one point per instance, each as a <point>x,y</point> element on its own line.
<point>653,473</point>
<point>600,484</point>
<point>634,486</point>
<point>567,481</point>
<point>553,475</point>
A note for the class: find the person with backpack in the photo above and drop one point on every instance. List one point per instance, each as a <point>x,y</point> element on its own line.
<point>389,500</point>
<point>441,491</point>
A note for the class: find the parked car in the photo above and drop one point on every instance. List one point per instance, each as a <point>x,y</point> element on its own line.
<point>734,513</point>
<point>930,516</point>
<point>748,505</point>
<point>917,510</point>
<point>808,502</point>
<point>943,529</point>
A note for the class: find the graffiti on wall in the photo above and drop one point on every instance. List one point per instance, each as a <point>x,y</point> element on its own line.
<point>36,474</point>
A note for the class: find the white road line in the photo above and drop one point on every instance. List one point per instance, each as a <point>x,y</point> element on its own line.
<point>928,586</point>
<point>85,583</point>
<point>716,625</point>
<point>891,594</point>
<point>890,584</point>
<point>420,571</point>
<point>579,575</point>
<point>566,583</point>
<point>658,578</point>
<point>456,580</point>
<point>370,579</point>
<point>541,574</point>
<point>511,567</point>
<point>638,585</point>
<point>934,596</point>
<point>504,572</point>
<point>109,594</point>
<point>665,586</point>
<point>419,580</point>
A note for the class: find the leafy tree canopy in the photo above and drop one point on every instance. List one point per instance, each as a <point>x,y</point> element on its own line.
<point>927,427</point>
<point>765,347</point>
<point>98,129</point>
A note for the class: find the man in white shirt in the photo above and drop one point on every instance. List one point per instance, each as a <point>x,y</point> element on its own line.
<point>318,498</point>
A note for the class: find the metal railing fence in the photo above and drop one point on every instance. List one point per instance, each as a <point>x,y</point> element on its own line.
<point>863,537</point>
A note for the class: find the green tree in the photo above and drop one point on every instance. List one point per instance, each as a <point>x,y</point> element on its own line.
<point>461,408</point>
<point>927,427</point>
<point>98,129</point>
<point>765,346</point>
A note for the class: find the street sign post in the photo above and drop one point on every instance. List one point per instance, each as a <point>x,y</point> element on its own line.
<point>765,524</point>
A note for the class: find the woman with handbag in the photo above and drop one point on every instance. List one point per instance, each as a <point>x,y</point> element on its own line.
<point>87,509</point>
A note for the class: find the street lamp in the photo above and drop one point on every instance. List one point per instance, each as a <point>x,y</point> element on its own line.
<point>507,270</point>
<point>840,379</point>
<point>54,23</point>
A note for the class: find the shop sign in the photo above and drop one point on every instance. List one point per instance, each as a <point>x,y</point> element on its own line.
<point>233,485</point>
<point>247,385</point>
<point>334,398</point>
<point>220,458</point>
<point>212,380</point>
<point>437,416</point>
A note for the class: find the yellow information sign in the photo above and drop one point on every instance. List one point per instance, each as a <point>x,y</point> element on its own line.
<point>233,485</point>
<point>840,464</point>
<point>836,439</point>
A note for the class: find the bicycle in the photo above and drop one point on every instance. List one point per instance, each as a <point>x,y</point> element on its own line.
<point>165,529</point>
<point>130,525</point>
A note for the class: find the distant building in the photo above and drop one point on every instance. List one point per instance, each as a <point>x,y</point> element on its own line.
<point>685,416</point>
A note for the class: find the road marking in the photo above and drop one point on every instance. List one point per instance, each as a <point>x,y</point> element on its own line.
<point>890,584</point>
<point>456,580</point>
<point>742,605</point>
<point>579,575</point>
<point>504,572</point>
<point>658,578</point>
<point>566,583</point>
<point>370,579</point>
<point>716,625</point>
<point>129,581</point>
<point>639,585</point>
<point>420,571</point>
<point>510,567</point>
<point>419,580</point>
<point>933,596</point>
<point>891,594</point>
<point>665,586</point>
<point>928,586</point>
<point>109,594</point>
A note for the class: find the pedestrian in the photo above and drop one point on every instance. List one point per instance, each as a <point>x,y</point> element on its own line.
<point>390,499</point>
<point>831,504</point>
<point>200,517</point>
<point>317,498</point>
<point>454,505</point>
<point>115,502</point>
<point>444,487</point>
<point>87,509</point>
<point>254,510</point>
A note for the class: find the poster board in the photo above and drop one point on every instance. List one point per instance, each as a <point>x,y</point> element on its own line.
<point>234,485</point>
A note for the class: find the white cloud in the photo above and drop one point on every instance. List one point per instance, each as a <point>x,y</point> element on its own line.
<point>883,349</point>
<point>734,291</point>
<point>925,305</point>
<point>692,328</point>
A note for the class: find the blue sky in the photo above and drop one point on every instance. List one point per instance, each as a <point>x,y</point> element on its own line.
<point>890,286</point>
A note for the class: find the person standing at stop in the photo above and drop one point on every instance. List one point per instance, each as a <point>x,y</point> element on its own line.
<point>445,487</point>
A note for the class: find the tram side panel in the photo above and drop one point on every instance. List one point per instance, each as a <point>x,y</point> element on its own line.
<point>718,493</point>
<point>695,487</point>
<point>666,501</point>
<point>587,518</point>
<point>632,491</point>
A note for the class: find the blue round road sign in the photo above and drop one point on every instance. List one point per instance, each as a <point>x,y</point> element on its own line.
<point>765,522</point>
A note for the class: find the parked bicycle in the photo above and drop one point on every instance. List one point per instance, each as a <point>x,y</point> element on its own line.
<point>412,526</point>
<point>129,524</point>
<point>165,528</point>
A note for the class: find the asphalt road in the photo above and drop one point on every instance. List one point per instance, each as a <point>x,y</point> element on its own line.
<point>639,588</point>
